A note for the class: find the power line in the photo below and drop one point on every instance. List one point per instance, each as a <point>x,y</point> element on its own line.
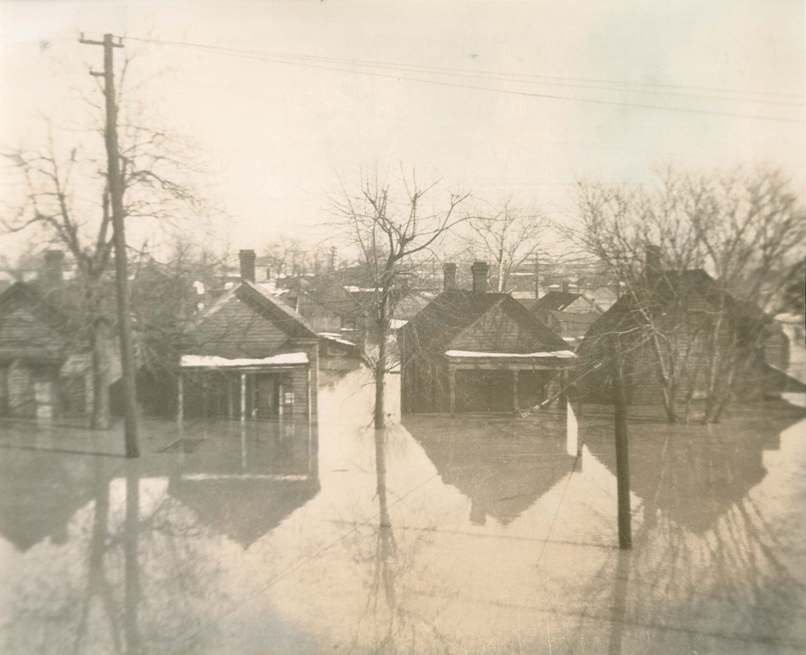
<point>583,82</point>
<point>337,64</point>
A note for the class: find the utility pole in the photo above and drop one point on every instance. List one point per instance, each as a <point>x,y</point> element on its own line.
<point>121,268</point>
<point>622,449</point>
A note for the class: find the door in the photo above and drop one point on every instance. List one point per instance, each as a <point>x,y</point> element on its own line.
<point>265,396</point>
<point>483,391</point>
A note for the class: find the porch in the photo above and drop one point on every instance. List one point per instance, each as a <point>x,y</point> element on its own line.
<point>272,387</point>
<point>503,382</point>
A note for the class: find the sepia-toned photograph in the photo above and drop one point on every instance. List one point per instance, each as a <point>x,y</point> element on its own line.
<point>372,328</point>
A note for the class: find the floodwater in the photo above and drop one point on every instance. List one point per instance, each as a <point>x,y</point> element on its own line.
<point>438,535</point>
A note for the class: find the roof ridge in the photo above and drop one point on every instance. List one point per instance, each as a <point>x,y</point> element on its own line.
<point>278,304</point>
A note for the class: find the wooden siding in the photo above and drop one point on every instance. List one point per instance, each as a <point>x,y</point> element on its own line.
<point>22,329</point>
<point>237,329</point>
<point>495,331</point>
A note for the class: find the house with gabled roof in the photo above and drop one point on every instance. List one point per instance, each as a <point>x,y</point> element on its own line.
<point>476,351</point>
<point>249,356</point>
<point>696,317</point>
<point>45,351</point>
<point>568,314</point>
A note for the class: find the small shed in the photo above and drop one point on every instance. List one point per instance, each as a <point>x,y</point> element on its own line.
<point>568,314</point>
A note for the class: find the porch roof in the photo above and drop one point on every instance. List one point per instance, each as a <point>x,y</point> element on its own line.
<point>539,359</point>
<point>213,361</point>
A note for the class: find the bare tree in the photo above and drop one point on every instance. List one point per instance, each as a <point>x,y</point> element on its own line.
<point>508,237</point>
<point>288,256</point>
<point>66,202</point>
<point>720,246</point>
<point>391,232</point>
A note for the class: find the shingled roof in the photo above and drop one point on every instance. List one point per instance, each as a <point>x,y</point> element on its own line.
<point>31,326</point>
<point>456,309</point>
<point>246,322</point>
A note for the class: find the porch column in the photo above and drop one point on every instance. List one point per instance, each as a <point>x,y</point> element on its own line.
<point>180,397</point>
<point>243,396</point>
<point>243,447</point>
<point>310,413</point>
<point>254,395</point>
<point>515,407</point>
<point>561,401</point>
<point>229,397</point>
<point>452,389</point>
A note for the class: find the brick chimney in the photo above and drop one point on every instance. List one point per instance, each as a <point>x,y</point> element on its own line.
<point>247,258</point>
<point>54,267</point>
<point>479,272</point>
<point>448,276</point>
<point>565,286</point>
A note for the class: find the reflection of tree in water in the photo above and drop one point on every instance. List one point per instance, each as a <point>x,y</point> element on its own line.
<point>502,466</point>
<point>138,569</point>
<point>56,488</point>
<point>388,624</point>
<point>706,559</point>
<point>97,603</point>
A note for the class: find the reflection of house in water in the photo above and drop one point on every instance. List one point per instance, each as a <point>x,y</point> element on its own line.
<point>57,490</point>
<point>696,474</point>
<point>502,466</point>
<point>244,481</point>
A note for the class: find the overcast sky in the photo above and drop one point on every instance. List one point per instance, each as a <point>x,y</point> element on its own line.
<point>277,137</point>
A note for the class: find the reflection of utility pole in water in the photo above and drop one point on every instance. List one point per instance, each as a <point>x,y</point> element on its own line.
<point>131,628</point>
<point>98,583</point>
<point>622,448</point>
<point>619,608</point>
<point>573,446</point>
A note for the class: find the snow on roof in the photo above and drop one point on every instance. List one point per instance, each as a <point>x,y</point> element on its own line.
<point>334,336</point>
<point>349,288</point>
<point>560,354</point>
<point>397,323</point>
<point>213,361</point>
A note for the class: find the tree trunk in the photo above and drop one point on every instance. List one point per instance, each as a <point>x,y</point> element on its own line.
<point>380,365</point>
<point>715,363</point>
<point>669,405</point>
<point>100,380</point>
<point>501,267</point>
<point>668,384</point>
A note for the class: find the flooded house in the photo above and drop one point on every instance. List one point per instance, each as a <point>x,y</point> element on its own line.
<point>346,311</point>
<point>568,314</point>
<point>249,356</point>
<point>692,312</point>
<point>325,304</point>
<point>471,350</point>
<point>45,351</point>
